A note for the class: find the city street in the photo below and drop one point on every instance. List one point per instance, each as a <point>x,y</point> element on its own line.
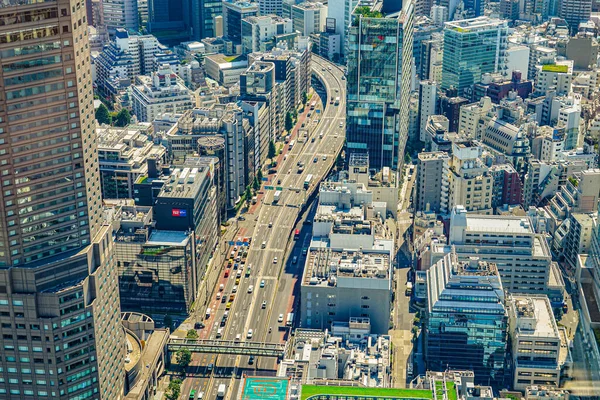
<point>270,289</point>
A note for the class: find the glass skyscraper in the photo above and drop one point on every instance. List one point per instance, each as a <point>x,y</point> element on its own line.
<point>472,47</point>
<point>378,87</point>
<point>466,326</point>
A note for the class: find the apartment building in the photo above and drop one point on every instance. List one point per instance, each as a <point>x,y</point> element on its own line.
<point>432,187</point>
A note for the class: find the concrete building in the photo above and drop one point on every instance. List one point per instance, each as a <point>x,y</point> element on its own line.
<point>340,284</point>
<point>507,188</point>
<point>432,185</point>
<point>427,105</point>
<point>467,323</point>
<point>583,50</point>
<point>557,77</point>
<point>120,14</point>
<point>341,12</point>
<point>535,342</point>
<point>472,47</point>
<point>521,255</point>
<point>509,140</point>
<point>377,121</point>
<point>60,302</point>
<point>470,180</point>
<point>225,70</point>
<point>162,92</point>
<point>263,33</point>
<point>308,17</point>
<point>270,7</point>
<point>227,125</point>
<point>470,117</point>
<point>233,14</point>
<point>575,12</point>
<point>123,155</point>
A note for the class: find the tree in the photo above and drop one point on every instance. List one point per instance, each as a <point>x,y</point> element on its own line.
<point>123,118</point>
<point>174,389</point>
<point>304,98</point>
<point>255,184</point>
<point>272,151</point>
<point>248,195</point>
<point>289,121</point>
<point>192,334</point>
<point>183,357</point>
<point>168,321</point>
<point>259,175</point>
<point>102,115</point>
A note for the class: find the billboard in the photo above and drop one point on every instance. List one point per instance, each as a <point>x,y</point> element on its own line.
<point>178,212</point>
<point>330,25</point>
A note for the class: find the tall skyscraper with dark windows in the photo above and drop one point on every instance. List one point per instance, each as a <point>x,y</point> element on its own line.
<point>378,89</point>
<point>60,328</point>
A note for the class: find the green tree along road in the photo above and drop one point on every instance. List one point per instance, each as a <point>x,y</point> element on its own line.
<point>103,115</point>
<point>174,389</point>
<point>183,358</point>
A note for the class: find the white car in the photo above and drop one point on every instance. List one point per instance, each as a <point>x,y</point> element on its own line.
<point>249,334</point>
<point>234,290</point>
<point>218,295</point>
<point>274,260</point>
<point>280,318</point>
<point>250,289</point>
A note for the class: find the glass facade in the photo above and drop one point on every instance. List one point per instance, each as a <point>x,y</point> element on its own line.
<point>466,326</point>
<point>471,49</point>
<point>378,73</point>
<point>156,277</point>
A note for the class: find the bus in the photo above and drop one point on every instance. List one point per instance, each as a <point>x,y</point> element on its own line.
<point>292,143</point>
<point>297,234</point>
<point>337,101</point>
<point>307,181</point>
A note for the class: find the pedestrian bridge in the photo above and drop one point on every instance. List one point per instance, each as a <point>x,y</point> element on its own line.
<point>227,347</point>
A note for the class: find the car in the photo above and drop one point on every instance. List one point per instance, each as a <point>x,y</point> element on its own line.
<point>235,266</point>
<point>237,281</point>
<point>343,78</point>
<point>249,334</point>
<point>241,218</point>
<point>315,159</point>
<point>289,171</point>
<point>274,260</point>
<point>234,290</point>
<point>294,260</point>
<point>250,289</point>
<point>264,305</point>
<point>199,325</point>
<point>238,337</point>
<point>324,157</point>
<point>224,298</point>
<point>251,360</point>
<point>262,283</point>
<point>218,295</point>
<point>221,287</point>
<point>335,135</point>
<point>228,306</point>
<point>280,318</point>
<point>304,251</point>
<point>341,124</point>
<point>312,140</point>
<point>278,181</point>
<point>210,367</point>
<point>272,171</point>
<point>270,224</point>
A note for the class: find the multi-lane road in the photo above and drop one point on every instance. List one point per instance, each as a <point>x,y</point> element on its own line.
<point>271,289</point>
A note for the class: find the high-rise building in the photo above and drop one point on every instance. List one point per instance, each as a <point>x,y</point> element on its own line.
<point>432,182</point>
<point>466,320</point>
<point>262,33</point>
<point>203,14</point>
<point>120,14</point>
<point>308,17</point>
<point>378,87</point>
<point>233,14</point>
<point>266,7</point>
<point>575,12</point>
<point>59,299</point>
<point>427,105</point>
<point>472,47</point>
<point>341,12</point>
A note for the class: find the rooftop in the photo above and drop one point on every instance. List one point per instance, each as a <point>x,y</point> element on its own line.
<point>499,224</point>
<point>313,390</point>
<point>476,24</point>
<point>534,316</point>
<point>184,183</point>
<point>168,238</point>
<point>325,266</point>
